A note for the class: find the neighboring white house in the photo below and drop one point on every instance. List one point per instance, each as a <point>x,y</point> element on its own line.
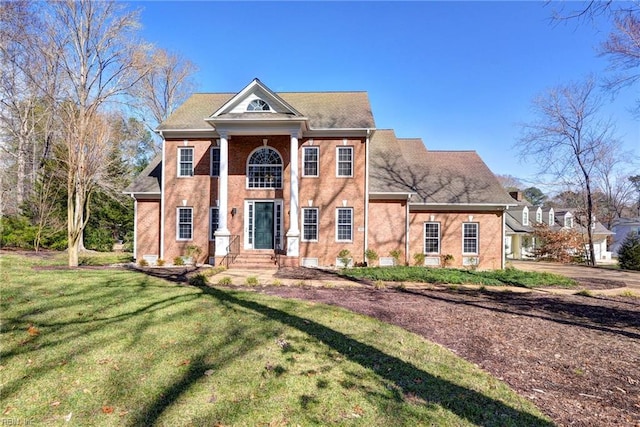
<point>520,242</point>
<point>621,228</point>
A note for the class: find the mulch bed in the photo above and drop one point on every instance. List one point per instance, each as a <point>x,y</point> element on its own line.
<point>576,357</point>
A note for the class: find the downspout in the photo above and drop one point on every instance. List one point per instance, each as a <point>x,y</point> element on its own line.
<point>406,231</point>
<point>366,195</point>
<point>162,188</point>
<point>503,251</point>
<point>135,228</point>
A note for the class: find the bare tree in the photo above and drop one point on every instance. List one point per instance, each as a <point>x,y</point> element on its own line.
<point>612,179</point>
<point>167,85</point>
<point>100,61</point>
<point>568,139</point>
<point>622,46</point>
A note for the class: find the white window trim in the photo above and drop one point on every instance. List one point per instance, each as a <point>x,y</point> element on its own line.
<point>551,217</point>
<point>342,147</point>
<point>211,162</point>
<point>525,216</point>
<point>337,212</point>
<point>178,238</point>
<point>302,238</point>
<point>317,161</point>
<point>424,238</point>
<point>539,216</point>
<point>211,231</point>
<point>193,160</point>
<point>477,252</point>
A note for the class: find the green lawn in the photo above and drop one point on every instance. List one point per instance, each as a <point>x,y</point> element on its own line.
<point>506,277</point>
<point>113,347</point>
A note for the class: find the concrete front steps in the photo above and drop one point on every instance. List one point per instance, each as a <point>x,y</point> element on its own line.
<point>255,260</point>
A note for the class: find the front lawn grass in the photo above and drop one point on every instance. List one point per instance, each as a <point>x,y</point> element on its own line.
<point>114,347</point>
<point>506,277</point>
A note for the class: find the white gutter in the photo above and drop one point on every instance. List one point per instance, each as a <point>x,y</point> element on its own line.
<point>162,190</point>
<point>366,194</point>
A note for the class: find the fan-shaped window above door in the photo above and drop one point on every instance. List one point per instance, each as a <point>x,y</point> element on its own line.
<point>264,169</point>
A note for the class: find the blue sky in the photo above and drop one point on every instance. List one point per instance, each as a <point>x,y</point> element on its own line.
<point>460,75</point>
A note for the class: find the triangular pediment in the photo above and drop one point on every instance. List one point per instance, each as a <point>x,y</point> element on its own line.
<point>256,98</point>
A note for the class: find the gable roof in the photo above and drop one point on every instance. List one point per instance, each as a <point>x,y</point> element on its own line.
<point>324,110</point>
<point>435,177</point>
<point>148,181</point>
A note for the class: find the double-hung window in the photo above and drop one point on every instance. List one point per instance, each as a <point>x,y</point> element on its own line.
<point>185,161</point>
<point>431,237</point>
<point>525,216</point>
<point>214,221</point>
<point>344,161</point>
<point>470,238</point>
<point>344,224</point>
<point>310,157</point>
<point>309,224</point>
<point>215,161</point>
<point>185,224</point>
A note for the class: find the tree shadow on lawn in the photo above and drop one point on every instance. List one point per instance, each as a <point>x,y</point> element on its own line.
<point>465,403</point>
<point>588,314</point>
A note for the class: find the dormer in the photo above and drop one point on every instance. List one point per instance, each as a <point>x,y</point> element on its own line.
<point>525,216</point>
<point>568,220</point>
<point>551,219</point>
<point>539,215</point>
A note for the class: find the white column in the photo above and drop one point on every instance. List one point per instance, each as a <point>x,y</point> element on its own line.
<point>222,234</point>
<point>293,234</point>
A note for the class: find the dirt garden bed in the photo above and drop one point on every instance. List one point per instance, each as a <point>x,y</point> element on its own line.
<point>577,357</point>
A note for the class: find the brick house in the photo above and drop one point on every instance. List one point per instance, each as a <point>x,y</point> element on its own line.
<point>306,175</point>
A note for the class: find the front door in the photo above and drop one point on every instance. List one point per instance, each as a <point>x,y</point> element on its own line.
<point>263,225</point>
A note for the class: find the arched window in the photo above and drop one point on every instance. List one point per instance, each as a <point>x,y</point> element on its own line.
<point>264,169</point>
<point>258,105</point>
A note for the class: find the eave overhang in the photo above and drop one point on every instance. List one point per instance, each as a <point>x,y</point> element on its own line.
<point>144,196</point>
<point>389,195</point>
<point>460,207</point>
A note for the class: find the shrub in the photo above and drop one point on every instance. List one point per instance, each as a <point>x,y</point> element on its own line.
<point>565,245</point>
<point>226,280</point>
<point>143,263</point>
<point>193,252</point>
<point>198,280</point>
<point>252,281</point>
<point>178,261</point>
<point>419,258</point>
<point>447,260</point>
<point>371,256</point>
<point>395,254</point>
<point>98,239</point>
<point>629,252</point>
<point>160,262</point>
<point>345,257</point>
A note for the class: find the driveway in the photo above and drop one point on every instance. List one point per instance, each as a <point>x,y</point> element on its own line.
<point>628,279</point>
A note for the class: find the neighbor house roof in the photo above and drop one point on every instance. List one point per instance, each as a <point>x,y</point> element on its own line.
<point>148,181</point>
<point>324,110</point>
<point>435,177</point>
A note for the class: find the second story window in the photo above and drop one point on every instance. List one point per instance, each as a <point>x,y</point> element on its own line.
<point>215,161</point>
<point>525,216</point>
<point>344,161</point>
<point>539,216</point>
<point>310,158</point>
<point>185,161</point>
